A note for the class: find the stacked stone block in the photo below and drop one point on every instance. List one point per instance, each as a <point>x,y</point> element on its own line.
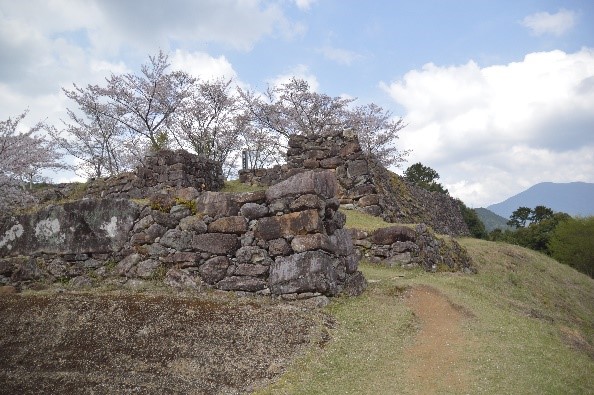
<point>407,247</point>
<point>288,240</point>
<point>364,184</point>
<point>161,170</point>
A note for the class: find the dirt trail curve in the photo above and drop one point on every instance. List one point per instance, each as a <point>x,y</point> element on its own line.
<point>437,357</point>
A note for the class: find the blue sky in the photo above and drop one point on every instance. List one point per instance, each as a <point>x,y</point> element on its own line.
<point>498,95</point>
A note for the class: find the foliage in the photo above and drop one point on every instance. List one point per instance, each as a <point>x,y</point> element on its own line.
<point>143,104</point>
<point>293,109</point>
<point>23,155</point>
<point>474,223</point>
<point>424,177</point>
<point>190,204</point>
<point>523,215</point>
<point>572,243</point>
<point>534,236</point>
<point>377,132</point>
<point>519,217</point>
<point>540,213</point>
<point>97,140</point>
<point>211,122</point>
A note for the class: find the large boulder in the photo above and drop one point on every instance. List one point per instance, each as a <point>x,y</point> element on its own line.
<point>235,224</point>
<point>392,234</point>
<point>292,224</point>
<point>217,204</point>
<point>214,269</point>
<point>321,183</point>
<point>310,271</point>
<point>216,243</point>
<point>84,226</point>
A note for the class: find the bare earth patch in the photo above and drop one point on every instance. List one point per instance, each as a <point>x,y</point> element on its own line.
<point>436,358</point>
<point>145,343</point>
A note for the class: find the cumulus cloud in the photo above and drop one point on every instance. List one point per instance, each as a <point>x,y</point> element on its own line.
<point>301,72</point>
<point>78,41</point>
<point>338,55</point>
<point>493,131</point>
<point>544,23</point>
<point>239,24</point>
<point>202,65</point>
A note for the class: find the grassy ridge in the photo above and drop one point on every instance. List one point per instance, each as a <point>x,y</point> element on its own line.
<point>531,329</point>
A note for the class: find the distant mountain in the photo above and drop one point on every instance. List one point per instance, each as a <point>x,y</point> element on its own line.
<point>573,198</point>
<point>491,220</point>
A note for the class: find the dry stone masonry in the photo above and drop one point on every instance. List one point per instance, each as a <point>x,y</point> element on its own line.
<point>407,247</point>
<point>288,240</point>
<point>363,183</point>
<point>163,169</point>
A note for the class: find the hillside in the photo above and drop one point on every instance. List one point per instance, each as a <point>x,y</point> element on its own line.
<point>523,324</point>
<point>491,220</point>
<point>574,198</point>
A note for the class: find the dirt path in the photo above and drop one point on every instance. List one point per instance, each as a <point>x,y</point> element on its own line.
<point>437,356</point>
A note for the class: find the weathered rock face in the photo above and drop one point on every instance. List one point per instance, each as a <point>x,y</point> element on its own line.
<point>363,184</point>
<point>287,241</point>
<point>160,170</point>
<point>310,271</point>
<point>82,227</point>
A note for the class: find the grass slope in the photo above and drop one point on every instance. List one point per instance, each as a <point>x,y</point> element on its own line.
<point>529,329</point>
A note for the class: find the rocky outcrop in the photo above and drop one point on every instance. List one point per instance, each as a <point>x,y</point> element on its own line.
<point>364,184</point>
<point>286,241</point>
<point>404,246</point>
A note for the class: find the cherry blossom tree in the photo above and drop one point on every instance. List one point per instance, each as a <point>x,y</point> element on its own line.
<point>98,141</point>
<point>261,148</point>
<point>23,155</point>
<point>144,104</point>
<point>292,108</point>
<point>378,131</point>
<point>210,122</point>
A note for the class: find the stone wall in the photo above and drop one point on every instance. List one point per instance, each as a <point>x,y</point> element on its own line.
<point>407,247</point>
<point>163,169</point>
<point>363,183</point>
<point>288,240</point>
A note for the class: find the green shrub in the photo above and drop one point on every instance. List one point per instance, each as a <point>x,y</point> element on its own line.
<point>572,243</point>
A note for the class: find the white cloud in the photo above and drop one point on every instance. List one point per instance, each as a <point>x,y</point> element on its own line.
<point>545,23</point>
<point>339,55</point>
<point>202,65</point>
<point>236,23</point>
<point>304,4</point>
<point>491,132</point>
<point>301,72</point>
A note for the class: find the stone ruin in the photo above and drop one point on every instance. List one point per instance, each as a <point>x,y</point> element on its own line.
<point>364,184</point>
<point>406,247</point>
<point>287,241</point>
<point>162,169</point>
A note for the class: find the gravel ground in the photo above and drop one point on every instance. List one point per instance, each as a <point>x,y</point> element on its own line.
<point>147,343</point>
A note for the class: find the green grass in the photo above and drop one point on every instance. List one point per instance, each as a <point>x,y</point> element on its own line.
<point>360,220</point>
<point>236,186</point>
<point>531,328</point>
